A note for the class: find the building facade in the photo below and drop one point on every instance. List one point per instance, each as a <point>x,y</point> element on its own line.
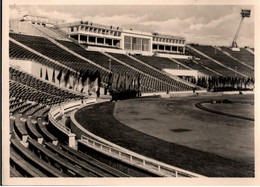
<point>133,41</point>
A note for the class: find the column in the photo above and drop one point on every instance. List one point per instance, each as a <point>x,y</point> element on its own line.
<point>87,39</point>
<point>141,44</point>
<point>104,41</point>
<point>78,38</point>
<point>95,40</point>
<point>183,49</point>
<point>72,140</point>
<point>112,42</point>
<point>177,49</point>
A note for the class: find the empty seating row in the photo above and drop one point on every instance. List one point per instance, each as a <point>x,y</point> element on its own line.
<point>20,53</point>
<point>196,66</point>
<point>36,89</point>
<point>159,62</point>
<point>242,55</point>
<point>224,59</point>
<point>51,50</point>
<point>23,166</point>
<point>211,64</point>
<point>36,161</point>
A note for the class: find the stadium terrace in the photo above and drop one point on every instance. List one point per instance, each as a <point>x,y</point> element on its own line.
<point>92,100</point>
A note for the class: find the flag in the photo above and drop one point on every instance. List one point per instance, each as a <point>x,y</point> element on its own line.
<point>46,75</point>
<point>59,75</point>
<point>86,86</point>
<point>76,82</point>
<point>136,84</point>
<point>94,82</point>
<point>139,82</point>
<point>71,81</point>
<point>109,82</point>
<point>115,79</point>
<point>80,83</point>
<point>127,84</point>
<point>41,73</point>
<point>85,76</point>
<point>66,78</point>
<point>53,76</point>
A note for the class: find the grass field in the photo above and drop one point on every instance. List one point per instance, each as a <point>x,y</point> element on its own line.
<point>174,131</point>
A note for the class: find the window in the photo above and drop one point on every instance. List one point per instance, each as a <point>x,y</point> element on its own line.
<point>154,46</point>
<point>167,48</point>
<point>136,44</point>
<point>127,44</point>
<point>161,47</point>
<point>100,40</point>
<point>146,45</point>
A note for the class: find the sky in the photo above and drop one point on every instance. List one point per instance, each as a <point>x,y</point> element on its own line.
<point>203,24</point>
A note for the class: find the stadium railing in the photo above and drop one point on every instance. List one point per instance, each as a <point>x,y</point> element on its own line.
<point>63,108</point>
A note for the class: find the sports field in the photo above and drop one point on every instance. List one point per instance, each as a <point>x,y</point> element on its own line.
<point>176,132</point>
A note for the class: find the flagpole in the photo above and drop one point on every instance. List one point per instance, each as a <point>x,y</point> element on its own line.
<point>109,61</point>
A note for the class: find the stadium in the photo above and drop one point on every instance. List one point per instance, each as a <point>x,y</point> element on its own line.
<point>94,100</point>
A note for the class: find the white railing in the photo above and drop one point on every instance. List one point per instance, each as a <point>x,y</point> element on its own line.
<point>53,114</point>
<point>137,160</point>
<point>62,108</point>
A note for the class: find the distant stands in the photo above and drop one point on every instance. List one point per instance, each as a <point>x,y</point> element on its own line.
<point>103,60</point>
<point>224,59</point>
<point>242,55</point>
<point>197,66</point>
<point>210,64</point>
<point>159,62</point>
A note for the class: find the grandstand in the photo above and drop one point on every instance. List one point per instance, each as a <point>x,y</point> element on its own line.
<point>57,71</point>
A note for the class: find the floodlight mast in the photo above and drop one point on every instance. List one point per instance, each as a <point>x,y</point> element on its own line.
<point>244,13</point>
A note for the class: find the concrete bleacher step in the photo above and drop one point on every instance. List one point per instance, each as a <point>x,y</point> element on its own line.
<point>14,173</point>
<point>215,61</point>
<point>77,162</point>
<point>20,129</point>
<point>26,168</point>
<point>33,159</point>
<point>226,53</point>
<point>33,132</point>
<point>41,127</point>
<point>61,163</point>
<point>94,162</point>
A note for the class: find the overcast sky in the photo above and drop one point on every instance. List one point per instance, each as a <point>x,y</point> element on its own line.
<point>203,24</point>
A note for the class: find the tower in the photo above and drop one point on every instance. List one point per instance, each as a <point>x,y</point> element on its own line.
<point>245,13</point>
